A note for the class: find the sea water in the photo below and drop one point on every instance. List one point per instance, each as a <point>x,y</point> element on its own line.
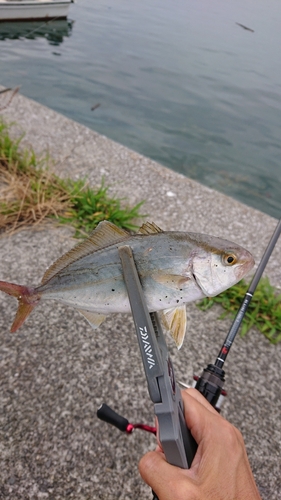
<point>176,80</point>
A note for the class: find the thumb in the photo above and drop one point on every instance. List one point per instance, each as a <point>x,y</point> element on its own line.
<point>166,480</point>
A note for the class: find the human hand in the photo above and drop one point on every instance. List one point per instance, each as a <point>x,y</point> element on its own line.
<point>220,469</point>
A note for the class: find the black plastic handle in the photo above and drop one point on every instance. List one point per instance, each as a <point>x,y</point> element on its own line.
<point>108,415</point>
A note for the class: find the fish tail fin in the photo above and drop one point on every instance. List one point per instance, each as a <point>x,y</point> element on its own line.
<point>27,301</point>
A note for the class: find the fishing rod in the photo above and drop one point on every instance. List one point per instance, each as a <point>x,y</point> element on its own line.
<point>211,381</point>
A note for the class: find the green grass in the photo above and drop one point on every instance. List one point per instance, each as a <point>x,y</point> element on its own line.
<point>91,206</point>
<point>264,311</point>
<point>31,193</point>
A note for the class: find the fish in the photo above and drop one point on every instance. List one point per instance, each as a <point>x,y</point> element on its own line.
<point>174,268</point>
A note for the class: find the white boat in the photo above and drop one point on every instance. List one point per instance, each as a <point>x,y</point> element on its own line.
<point>32,10</point>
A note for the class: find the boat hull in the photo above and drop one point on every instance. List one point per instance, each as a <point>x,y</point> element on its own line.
<point>33,10</point>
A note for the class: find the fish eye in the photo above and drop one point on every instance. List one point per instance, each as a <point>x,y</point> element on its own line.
<point>229,259</point>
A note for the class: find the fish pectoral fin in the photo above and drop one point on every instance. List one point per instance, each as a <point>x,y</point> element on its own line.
<point>95,319</point>
<point>149,228</point>
<point>174,281</point>
<point>174,320</point>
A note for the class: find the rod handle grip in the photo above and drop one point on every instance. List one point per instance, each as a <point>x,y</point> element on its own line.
<point>108,415</point>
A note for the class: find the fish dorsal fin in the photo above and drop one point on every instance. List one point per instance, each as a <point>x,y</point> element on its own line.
<point>149,228</point>
<point>174,319</point>
<point>104,235</point>
<point>95,319</point>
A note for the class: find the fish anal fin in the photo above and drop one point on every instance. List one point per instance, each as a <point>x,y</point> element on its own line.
<point>95,319</point>
<point>174,319</point>
<point>149,228</point>
<point>104,235</point>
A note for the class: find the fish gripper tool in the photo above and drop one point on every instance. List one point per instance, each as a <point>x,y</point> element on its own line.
<point>176,440</point>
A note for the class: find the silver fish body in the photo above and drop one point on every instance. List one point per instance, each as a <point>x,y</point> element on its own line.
<point>95,282</point>
<point>174,269</point>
